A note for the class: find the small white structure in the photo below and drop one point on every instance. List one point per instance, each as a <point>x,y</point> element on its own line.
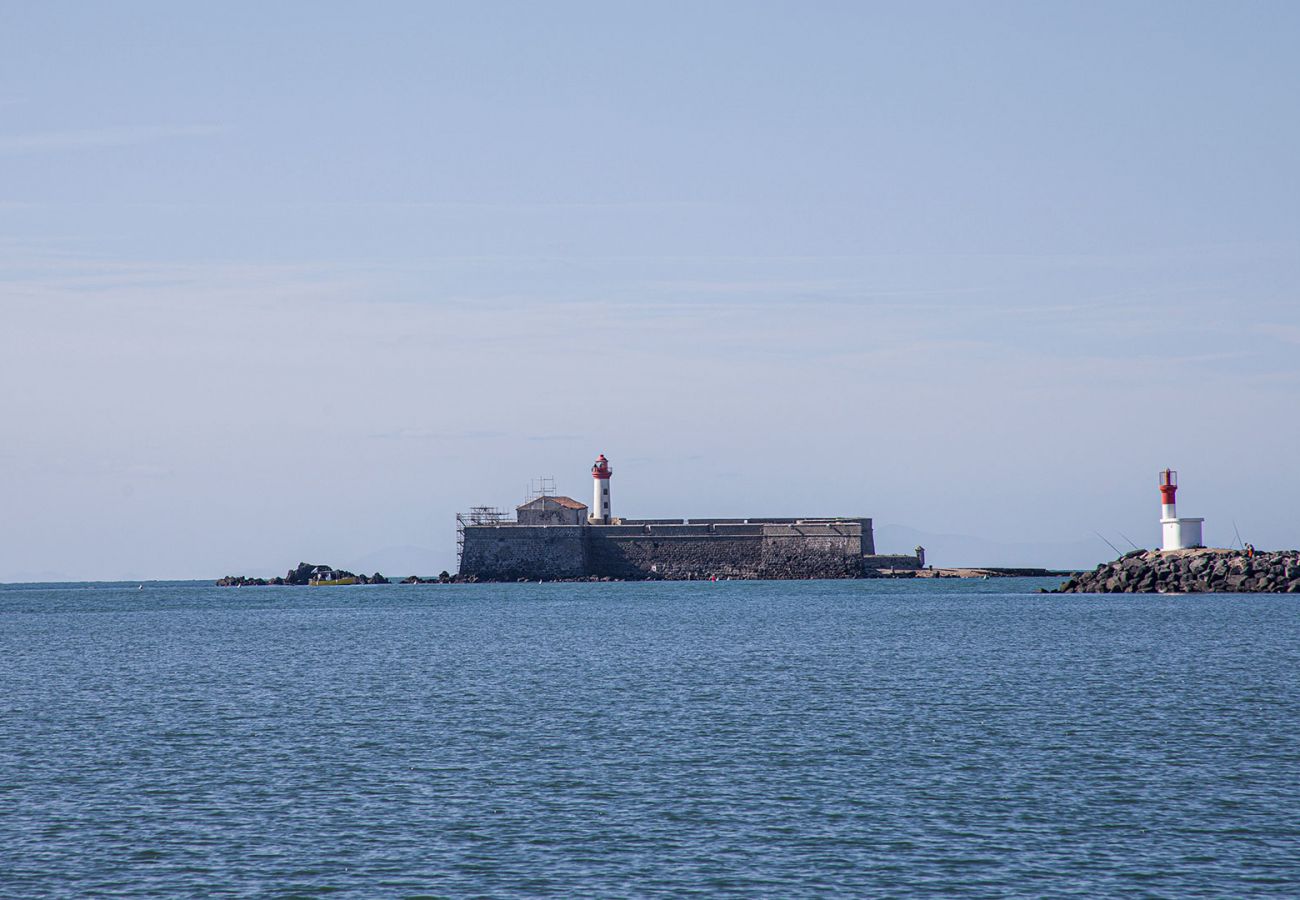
<point>1179,534</point>
<point>600,509</point>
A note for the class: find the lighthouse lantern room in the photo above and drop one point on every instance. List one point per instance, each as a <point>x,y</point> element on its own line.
<point>600,509</point>
<point>1178,534</point>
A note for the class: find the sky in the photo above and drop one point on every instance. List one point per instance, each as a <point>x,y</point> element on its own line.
<point>300,281</point>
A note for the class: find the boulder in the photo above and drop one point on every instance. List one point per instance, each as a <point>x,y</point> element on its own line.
<point>1186,572</point>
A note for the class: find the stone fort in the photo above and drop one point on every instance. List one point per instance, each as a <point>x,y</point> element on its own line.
<point>555,537</point>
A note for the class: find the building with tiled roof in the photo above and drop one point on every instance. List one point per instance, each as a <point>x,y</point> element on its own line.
<point>549,510</point>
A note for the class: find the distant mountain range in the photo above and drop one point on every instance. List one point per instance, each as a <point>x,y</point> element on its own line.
<point>398,562</point>
<point>940,549</point>
<point>965,550</point>
<point>954,550</point>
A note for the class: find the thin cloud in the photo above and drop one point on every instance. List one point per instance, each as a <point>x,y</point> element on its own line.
<point>123,136</point>
<point>540,438</point>
<point>1286,333</point>
<point>432,434</point>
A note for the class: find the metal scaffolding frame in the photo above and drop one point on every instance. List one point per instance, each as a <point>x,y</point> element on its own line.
<point>477,515</point>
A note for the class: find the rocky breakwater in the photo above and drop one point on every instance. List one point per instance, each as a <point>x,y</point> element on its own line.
<point>1202,571</point>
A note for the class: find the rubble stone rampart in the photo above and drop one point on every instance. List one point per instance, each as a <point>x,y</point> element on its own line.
<point>509,552</point>
<point>735,549</point>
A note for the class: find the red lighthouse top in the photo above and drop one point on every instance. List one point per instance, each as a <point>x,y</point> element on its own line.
<point>1168,486</point>
<point>601,469</point>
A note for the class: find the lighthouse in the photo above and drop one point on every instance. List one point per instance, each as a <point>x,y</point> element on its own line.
<point>600,473</point>
<point>1178,534</point>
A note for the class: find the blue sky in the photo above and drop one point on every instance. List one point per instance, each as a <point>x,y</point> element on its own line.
<point>300,282</point>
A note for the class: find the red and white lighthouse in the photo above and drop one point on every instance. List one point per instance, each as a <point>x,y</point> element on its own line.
<point>1168,489</point>
<point>1178,534</point>
<point>600,509</point>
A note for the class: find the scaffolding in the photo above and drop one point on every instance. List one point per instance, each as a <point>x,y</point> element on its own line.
<point>477,515</point>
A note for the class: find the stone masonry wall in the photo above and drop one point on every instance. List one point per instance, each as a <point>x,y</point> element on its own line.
<point>812,551</point>
<point>675,555</point>
<point>724,549</point>
<point>892,561</point>
<point>510,552</point>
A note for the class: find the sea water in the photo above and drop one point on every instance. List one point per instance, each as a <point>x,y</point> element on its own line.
<point>730,739</point>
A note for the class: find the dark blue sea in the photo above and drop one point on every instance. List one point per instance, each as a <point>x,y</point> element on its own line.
<point>737,739</point>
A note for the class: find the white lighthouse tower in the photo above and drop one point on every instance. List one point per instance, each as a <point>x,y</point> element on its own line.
<point>600,472</point>
<point>1179,534</point>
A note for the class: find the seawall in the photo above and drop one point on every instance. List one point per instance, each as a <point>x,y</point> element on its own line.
<point>507,553</point>
<point>1201,571</point>
<point>670,549</point>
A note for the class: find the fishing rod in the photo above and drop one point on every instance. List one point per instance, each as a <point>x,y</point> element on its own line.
<point>1118,552</point>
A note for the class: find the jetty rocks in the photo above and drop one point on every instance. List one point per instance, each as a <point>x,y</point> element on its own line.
<point>1199,571</point>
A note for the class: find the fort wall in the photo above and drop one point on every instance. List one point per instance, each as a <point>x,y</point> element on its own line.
<point>891,561</point>
<point>673,549</point>
<point>674,555</point>
<point>510,552</point>
<point>801,550</point>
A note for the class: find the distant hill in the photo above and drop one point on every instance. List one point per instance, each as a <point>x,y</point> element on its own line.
<point>966,550</point>
<point>400,561</point>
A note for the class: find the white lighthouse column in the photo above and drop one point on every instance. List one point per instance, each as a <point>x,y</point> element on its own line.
<point>1170,527</point>
<point>600,506</point>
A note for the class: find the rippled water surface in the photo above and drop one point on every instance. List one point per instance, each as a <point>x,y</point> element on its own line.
<point>944,739</point>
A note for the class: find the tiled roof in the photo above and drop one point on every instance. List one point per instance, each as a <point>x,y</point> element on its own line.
<point>566,502</point>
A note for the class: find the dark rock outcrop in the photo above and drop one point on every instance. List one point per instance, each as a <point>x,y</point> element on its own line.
<point>1201,571</point>
<point>242,581</point>
<point>299,575</point>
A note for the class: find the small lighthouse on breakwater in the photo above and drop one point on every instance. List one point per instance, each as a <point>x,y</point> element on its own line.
<point>600,510</point>
<point>1179,534</point>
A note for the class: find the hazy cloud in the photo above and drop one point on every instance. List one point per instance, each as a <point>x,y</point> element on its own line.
<point>121,136</point>
<point>434,434</point>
